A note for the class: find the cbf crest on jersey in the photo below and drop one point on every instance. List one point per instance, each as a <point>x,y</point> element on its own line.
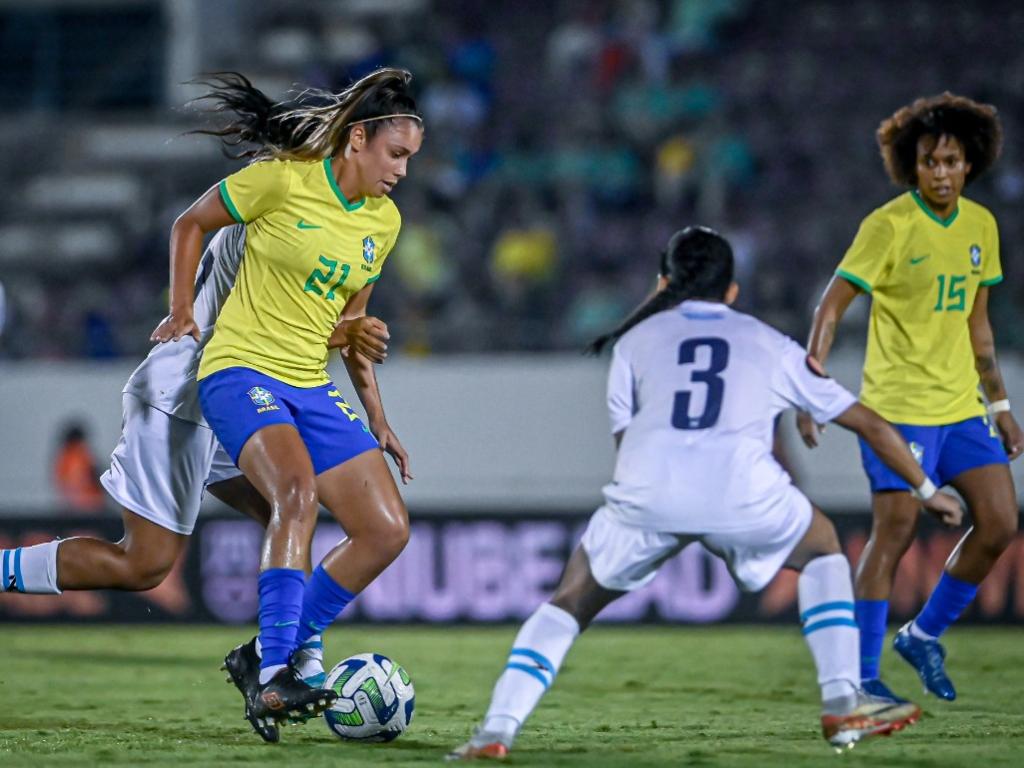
<point>369,250</point>
<point>975,255</point>
<point>261,396</point>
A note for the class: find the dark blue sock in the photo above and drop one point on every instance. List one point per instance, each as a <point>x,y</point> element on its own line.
<point>280,606</point>
<point>948,600</point>
<point>323,600</point>
<point>871,619</point>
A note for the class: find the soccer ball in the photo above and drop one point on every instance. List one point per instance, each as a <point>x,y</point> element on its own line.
<point>375,699</point>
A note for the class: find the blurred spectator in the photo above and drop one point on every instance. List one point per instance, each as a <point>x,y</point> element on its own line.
<point>74,472</point>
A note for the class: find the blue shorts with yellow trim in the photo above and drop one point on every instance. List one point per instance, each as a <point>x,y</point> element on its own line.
<point>943,452</point>
<point>237,402</point>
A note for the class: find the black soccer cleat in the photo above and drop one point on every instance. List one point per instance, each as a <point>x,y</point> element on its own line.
<point>285,696</point>
<point>243,666</point>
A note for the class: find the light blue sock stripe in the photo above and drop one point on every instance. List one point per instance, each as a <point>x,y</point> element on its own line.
<point>542,660</point>
<point>7,570</point>
<point>829,623</point>
<point>836,606</point>
<point>18,583</point>
<point>532,671</point>
<point>316,645</point>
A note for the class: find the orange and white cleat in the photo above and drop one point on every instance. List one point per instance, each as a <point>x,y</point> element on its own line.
<point>872,716</point>
<point>482,746</point>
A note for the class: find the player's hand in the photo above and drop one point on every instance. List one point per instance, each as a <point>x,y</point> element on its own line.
<point>389,444</point>
<point>1011,434</point>
<point>946,509</point>
<point>808,429</point>
<point>176,326</point>
<point>366,335</point>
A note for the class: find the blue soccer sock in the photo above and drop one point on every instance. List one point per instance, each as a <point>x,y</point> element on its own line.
<point>323,600</point>
<point>280,607</point>
<point>947,601</point>
<point>872,616</point>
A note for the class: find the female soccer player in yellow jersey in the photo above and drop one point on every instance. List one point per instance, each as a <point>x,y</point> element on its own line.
<point>319,226</point>
<point>928,259</point>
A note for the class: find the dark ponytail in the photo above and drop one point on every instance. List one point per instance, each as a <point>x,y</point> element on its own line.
<point>698,264</point>
<point>314,126</point>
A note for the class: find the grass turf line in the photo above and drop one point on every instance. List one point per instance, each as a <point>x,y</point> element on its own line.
<point>715,696</point>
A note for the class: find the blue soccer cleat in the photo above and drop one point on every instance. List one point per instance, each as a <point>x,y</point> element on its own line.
<point>880,690</point>
<point>928,658</point>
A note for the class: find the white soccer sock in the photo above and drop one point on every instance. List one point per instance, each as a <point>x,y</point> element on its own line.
<point>536,656</point>
<point>32,570</point>
<point>827,614</point>
<point>309,658</point>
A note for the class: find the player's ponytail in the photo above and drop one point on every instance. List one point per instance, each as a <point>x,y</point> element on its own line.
<point>313,126</point>
<point>698,264</point>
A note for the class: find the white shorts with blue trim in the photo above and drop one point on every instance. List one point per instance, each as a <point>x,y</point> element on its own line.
<point>624,557</point>
<point>162,464</point>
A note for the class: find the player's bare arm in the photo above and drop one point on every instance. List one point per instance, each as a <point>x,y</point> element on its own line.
<point>984,346</point>
<point>362,334</point>
<point>834,302</point>
<point>206,214</point>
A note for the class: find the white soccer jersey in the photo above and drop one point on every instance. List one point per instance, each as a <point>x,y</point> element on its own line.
<point>166,379</point>
<point>696,389</point>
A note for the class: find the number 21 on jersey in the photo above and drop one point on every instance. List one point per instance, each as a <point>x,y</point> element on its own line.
<point>707,376</point>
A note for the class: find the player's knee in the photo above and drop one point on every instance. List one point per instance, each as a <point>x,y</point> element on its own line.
<point>142,574</point>
<point>391,536</point>
<point>294,501</point>
<point>997,534</point>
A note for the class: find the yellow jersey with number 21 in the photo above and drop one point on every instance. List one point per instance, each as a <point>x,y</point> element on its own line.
<point>307,251</point>
<point>923,274</point>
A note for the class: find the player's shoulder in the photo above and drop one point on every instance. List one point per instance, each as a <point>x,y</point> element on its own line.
<point>975,211</point>
<point>893,212</point>
<point>385,207</point>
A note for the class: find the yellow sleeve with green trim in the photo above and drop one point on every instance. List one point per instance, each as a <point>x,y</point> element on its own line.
<point>256,190</point>
<point>870,255</point>
<point>991,267</point>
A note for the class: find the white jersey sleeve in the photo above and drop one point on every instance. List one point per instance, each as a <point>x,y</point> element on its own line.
<point>166,379</point>
<point>621,391</point>
<point>799,385</point>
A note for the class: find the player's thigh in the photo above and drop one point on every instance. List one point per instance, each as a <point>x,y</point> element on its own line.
<point>149,547</point>
<point>578,592</point>
<point>820,540</point>
<point>276,462</point>
<point>362,496</point>
<point>159,466</point>
<point>991,498</point>
<point>894,520</point>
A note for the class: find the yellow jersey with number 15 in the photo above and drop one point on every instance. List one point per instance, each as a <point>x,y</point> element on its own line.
<point>307,251</point>
<point>923,274</point>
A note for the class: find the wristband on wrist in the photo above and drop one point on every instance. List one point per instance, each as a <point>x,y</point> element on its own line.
<point>925,490</point>
<point>998,406</point>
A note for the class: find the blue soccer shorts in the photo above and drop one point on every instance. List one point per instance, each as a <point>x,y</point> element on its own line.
<point>237,402</point>
<point>944,452</point>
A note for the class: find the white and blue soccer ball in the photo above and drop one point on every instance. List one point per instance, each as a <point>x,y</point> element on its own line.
<point>375,699</point>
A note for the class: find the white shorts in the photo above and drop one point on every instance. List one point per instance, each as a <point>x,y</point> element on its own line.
<point>624,557</point>
<point>162,464</point>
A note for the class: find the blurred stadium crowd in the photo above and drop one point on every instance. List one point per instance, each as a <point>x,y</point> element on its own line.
<point>565,142</point>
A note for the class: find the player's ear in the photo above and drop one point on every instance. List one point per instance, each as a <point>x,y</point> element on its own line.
<point>357,138</point>
<point>732,292</point>
<point>661,285</point>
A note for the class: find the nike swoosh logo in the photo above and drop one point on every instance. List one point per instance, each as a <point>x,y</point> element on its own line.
<point>303,225</point>
<point>919,259</point>
<point>286,623</point>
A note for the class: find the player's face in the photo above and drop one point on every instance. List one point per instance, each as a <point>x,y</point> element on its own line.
<point>942,170</point>
<point>384,160</point>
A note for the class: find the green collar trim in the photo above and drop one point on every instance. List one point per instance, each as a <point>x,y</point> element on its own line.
<point>930,213</point>
<point>337,190</point>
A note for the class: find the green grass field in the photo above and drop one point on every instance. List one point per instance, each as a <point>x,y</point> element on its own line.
<point>742,696</point>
